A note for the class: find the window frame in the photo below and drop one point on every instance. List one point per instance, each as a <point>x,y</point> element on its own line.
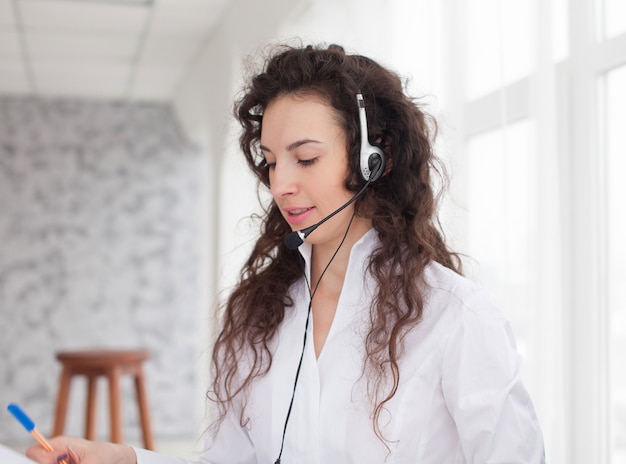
<point>583,349</point>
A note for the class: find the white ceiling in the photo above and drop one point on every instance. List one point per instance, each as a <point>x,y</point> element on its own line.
<point>101,48</point>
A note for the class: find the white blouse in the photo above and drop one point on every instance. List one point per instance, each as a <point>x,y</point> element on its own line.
<point>460,398</point>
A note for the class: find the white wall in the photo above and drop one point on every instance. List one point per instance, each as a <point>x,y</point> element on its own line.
<point>100,234</point>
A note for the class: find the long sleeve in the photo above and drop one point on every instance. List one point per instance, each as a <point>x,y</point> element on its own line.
<point>230,445</point>
<point>150,457</point>
<point>481,382</point>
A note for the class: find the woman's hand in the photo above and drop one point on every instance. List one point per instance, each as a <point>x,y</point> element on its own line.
<point>80,451</point>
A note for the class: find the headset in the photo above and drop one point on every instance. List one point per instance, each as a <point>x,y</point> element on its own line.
<point>372,158</point>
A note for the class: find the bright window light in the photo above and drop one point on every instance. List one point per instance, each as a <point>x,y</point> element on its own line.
<point>498,44</point>
<point>616,171</point>
<point>614,18</point>
<point>503,37</point>
<point>560,29</point>
<point>501,190</point>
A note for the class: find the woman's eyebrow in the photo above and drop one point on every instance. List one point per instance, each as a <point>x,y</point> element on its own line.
<point>294,145</point>
<point>291,146</point>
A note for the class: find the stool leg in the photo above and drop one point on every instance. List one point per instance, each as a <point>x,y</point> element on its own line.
<point>114,405</point>
<point>144,411</point>
<point>61,404</point>
<point>90,418</point>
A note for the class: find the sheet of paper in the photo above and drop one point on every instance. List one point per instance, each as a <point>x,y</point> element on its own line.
<point>9,456</point>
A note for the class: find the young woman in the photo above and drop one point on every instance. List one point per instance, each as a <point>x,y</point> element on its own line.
<point>363,343</point>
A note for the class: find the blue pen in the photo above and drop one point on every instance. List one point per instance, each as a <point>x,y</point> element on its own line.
<point>29,425</point>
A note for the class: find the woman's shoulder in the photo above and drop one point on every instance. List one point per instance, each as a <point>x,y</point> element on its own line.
<point>446,289</point>
<point>459,310</point>
<point>456,311</point>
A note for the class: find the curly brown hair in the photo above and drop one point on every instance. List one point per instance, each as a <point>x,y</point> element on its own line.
<point>402,206</point>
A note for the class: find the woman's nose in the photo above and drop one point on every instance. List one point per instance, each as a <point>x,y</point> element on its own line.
<point>283,180</point>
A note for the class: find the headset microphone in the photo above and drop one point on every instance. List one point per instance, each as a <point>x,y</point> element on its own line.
<point>372,164</point>
<point>294,239</point>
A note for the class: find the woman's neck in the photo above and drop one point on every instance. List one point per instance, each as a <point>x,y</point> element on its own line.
<point>337,254</point>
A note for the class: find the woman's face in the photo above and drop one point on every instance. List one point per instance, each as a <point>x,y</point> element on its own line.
<point>305,149</point>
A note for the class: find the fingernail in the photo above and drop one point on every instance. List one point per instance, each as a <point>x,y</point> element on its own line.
<point>61,458</point>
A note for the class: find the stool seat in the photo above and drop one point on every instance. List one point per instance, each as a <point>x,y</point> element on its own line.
<point>111,364</point>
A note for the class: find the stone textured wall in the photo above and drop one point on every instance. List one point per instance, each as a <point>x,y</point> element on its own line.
<point>99,247</point>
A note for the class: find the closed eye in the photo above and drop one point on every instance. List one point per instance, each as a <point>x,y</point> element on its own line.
<point>307,162</point>
<point>264,164</point>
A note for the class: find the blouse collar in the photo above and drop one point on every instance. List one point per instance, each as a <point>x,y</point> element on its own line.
<point>361,248</point>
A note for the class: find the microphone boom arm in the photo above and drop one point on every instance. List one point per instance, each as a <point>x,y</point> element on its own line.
<point>296,238</point>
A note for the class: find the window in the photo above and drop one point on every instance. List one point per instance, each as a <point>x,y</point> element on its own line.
<point>614,18</point>
<point>544,178</point>
<point>615,96</point>
<point>498,44</point>
<point>501,187</point>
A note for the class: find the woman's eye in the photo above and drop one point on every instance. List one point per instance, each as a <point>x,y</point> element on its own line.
<point>267,165</point>
<point>307,162</point>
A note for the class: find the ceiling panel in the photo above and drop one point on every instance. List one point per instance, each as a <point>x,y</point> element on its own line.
<point>6,14</point>
<point>168,52</point>
<point>63,47</point>
<point>9,46</point>
<point>75,78</point>
<point>151,82</point>
<point>101,48</point>
<point>63,16</point>
<point>178,20</point>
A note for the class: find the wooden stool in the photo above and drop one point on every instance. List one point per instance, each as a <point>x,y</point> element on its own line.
<point>111,364</point>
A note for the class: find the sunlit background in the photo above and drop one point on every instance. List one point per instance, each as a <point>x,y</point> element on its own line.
<point>530,96</point>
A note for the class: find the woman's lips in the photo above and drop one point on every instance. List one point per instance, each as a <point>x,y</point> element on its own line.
<point>298,215</point>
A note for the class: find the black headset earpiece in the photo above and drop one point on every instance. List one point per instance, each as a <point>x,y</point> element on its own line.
<point>372,158</point>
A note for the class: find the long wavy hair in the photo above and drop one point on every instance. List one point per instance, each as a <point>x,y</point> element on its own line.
<point>402,206</point>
